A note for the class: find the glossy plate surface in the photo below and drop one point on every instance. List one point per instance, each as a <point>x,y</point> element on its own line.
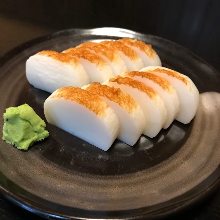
<point>65,177</point>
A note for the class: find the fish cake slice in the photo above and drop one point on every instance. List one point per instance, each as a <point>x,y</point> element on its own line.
<point>144,51</point>
<point>84,115</point>
<point>50,70</point>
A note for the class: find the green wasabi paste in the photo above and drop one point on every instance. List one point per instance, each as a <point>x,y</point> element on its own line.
<point>23,127</point>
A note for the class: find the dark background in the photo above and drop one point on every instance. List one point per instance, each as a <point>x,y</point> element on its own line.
<point>194,24</point>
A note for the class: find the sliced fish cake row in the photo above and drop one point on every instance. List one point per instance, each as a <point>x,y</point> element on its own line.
<point>88,62</point>
<point>124,107</point>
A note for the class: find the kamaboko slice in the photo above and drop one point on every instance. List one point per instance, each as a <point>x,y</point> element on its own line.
<point>50,70</point>
<point>144,51</point>
<point>84,115</point>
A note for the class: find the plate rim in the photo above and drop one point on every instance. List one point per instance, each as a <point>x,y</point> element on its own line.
<point>183,205</point>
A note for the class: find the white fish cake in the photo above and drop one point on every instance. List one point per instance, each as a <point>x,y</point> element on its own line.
<point>84,115</point>
<point>50,70</point>
<point>96,68</point>
<point>144,51</point>
<point>109,55</point>
<point>187,92</point>
<point>129,56</point>
<point>164,89</point>
<point>130,114</point>
<point>152,105</point>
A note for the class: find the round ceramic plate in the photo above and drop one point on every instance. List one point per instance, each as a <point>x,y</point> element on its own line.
<point>66,177</point>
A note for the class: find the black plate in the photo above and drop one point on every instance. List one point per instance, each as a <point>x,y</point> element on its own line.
<point>65,177</point>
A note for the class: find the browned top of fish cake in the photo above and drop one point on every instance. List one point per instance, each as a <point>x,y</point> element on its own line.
<point>122,47</point>
<point>65,58</point>
<point>170,73</point>
<point>108,46</point>
<point>135,84</point>
<point>147,48</point>
<point>114,94</point>
<point>157,79</point>
<point>106,51</point>
<point>99,49</point>
<point>86,54</point>
<point>91,101</point>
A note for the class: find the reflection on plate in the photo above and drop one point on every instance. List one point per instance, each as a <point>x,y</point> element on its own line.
<point>66,177</point>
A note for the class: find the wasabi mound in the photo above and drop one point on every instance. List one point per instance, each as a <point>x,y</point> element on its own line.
<point>23,127</point>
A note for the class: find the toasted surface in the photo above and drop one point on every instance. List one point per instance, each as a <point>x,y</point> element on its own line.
<point>65,58</point>
<point>84,53</point>
<point>115,95</point>
<point>89,100</point>
<point>160,81</point>
<point>122,47</point>
<point>108,46</point>
<point>169,72</point>
<point>99,49</point>
<point>147,48</point>
<point>135,84</point>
